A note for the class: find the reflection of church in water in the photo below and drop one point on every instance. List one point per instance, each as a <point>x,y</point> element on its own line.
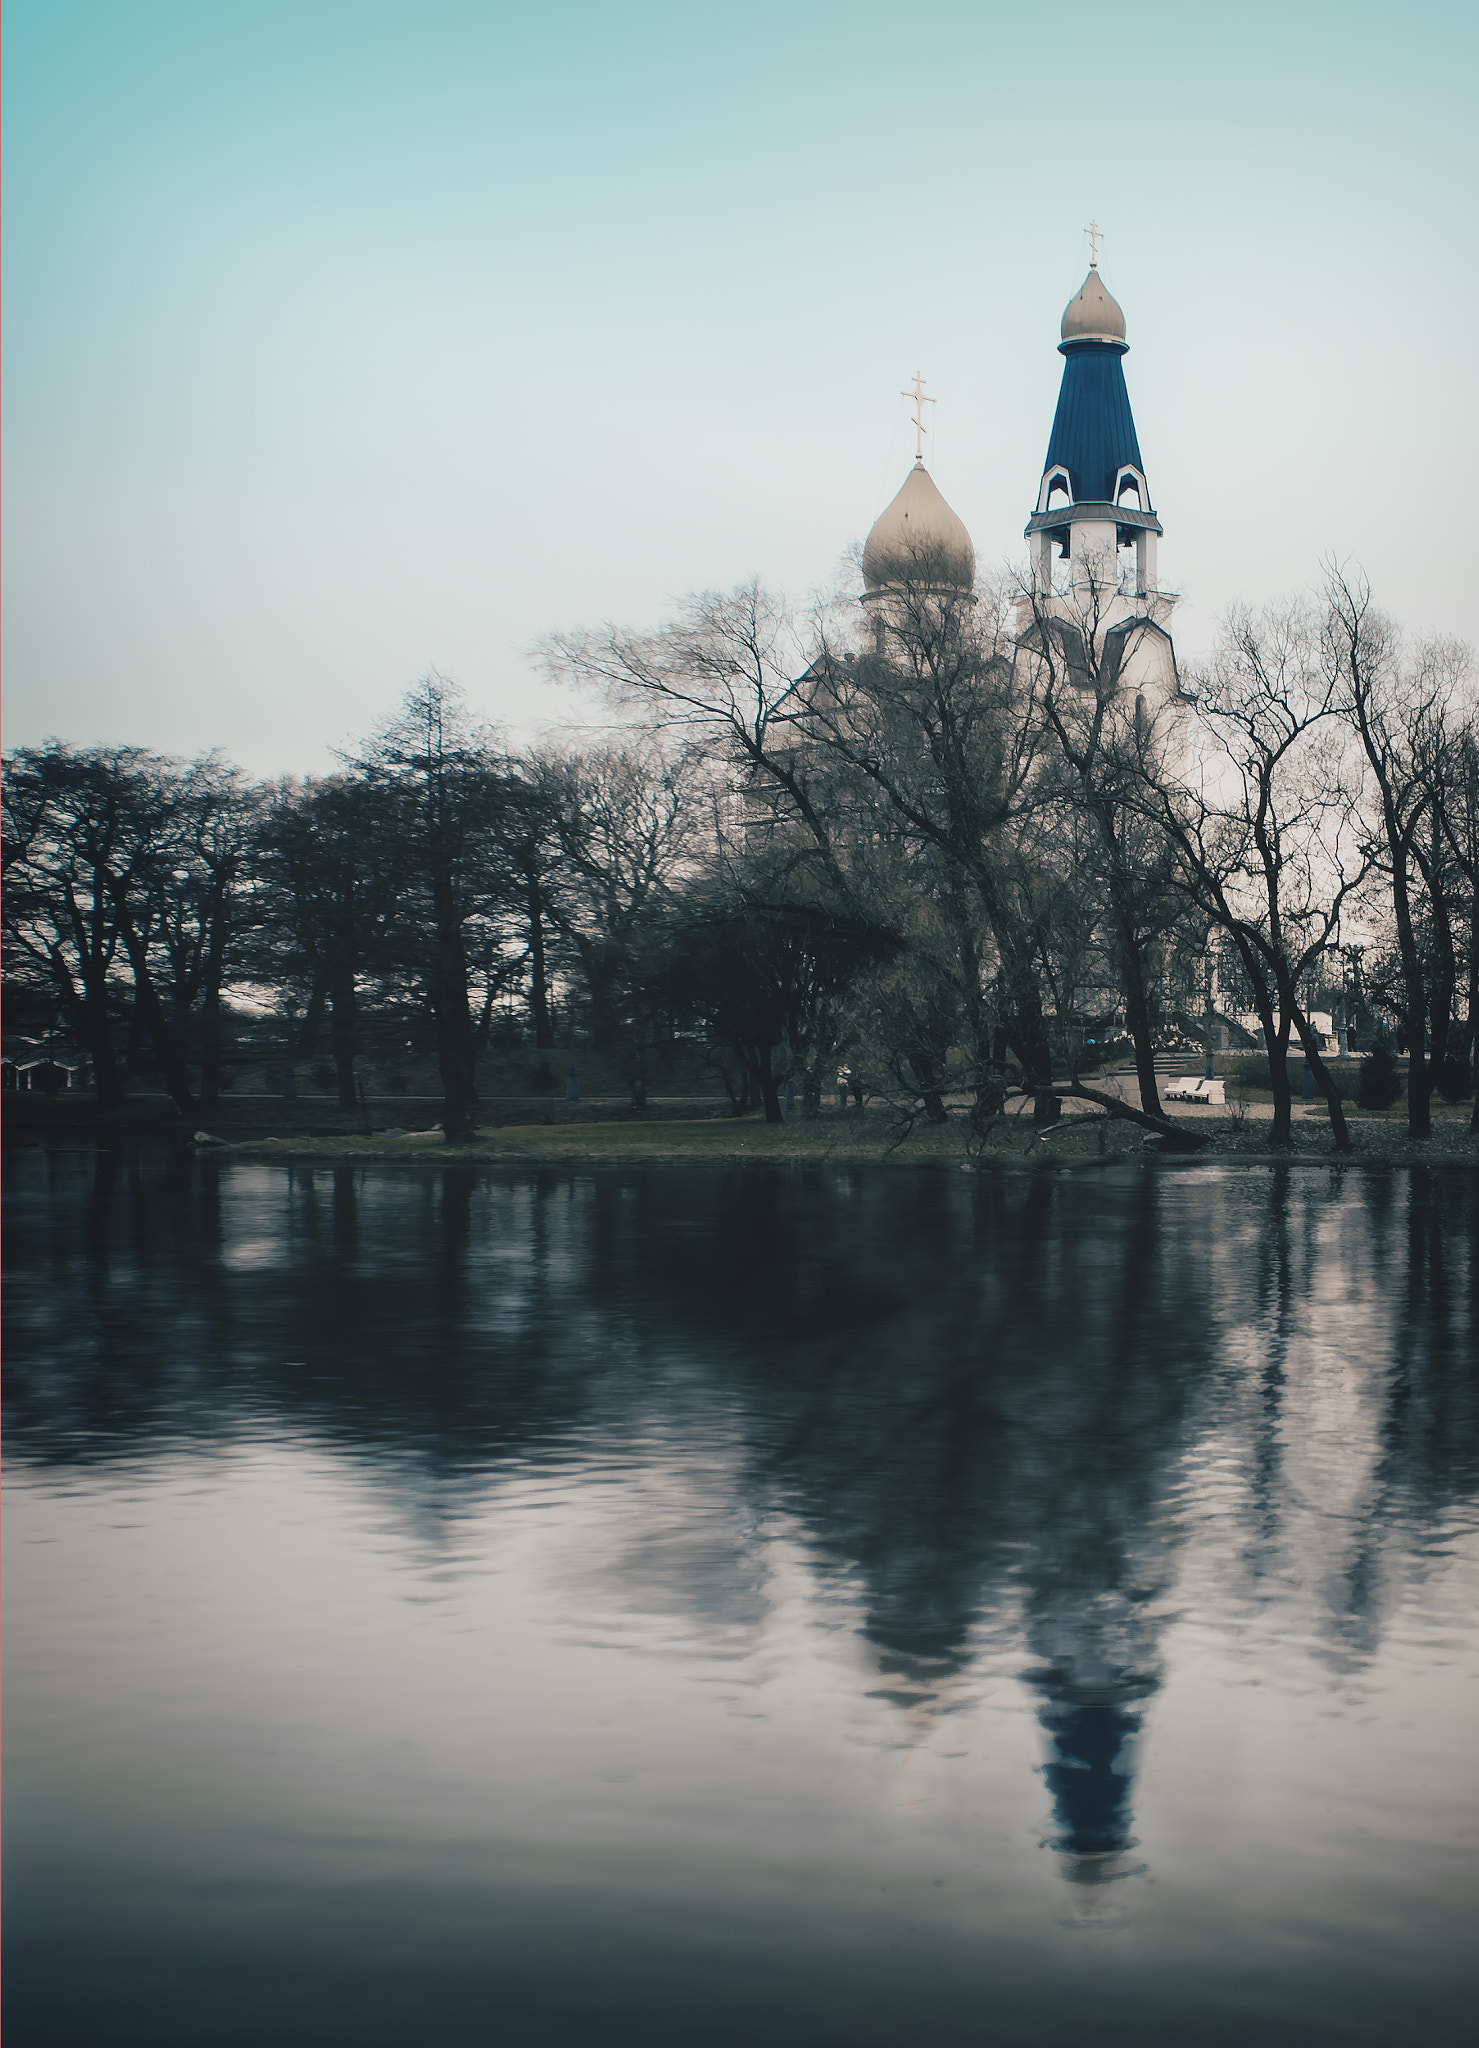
<point>1092,535</point>
<point>1092,539</point>
<point>989,1465</point>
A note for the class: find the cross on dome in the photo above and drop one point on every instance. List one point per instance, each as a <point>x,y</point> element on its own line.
<point>1096,235</point>
<point>921,400</point>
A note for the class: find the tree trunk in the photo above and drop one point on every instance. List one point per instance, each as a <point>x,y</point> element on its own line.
<point>1023,1021</point>
<point>1116,1108</point>
<point>1277,1041</point>
<point>1132,967</point>
<point>769,1086</point>
<point>1474,1012</point>
<point>602,969</point>
<point>544,1036</point>
<point>342,1019</point>
<point>452,1067</point>
<point>1419,1074</point>
<point>453,1023</point>
<point>133,1042</point>
<point>162,1038</point>
<point>989,1041</point>
<point>210,1014</point>
<point>927,1080</point>
<point>1027,1033</point>
<point>167,1050</point>
<point>93,1025</point>
<point>1142,1034</point>
<point>305,1039</point>
<point>1324,1081</point>
<point>638,1075</point>
<point>811,1091</point>
<point>1445,966</point>
<point>1419,1080</point>
<point>986,1040</point>
<point>210,1048</point>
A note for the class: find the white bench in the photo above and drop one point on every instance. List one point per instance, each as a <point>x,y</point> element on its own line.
<point>1194,1088</point>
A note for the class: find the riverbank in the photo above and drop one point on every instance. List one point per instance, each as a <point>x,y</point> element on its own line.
<point>614,1134</point>
<point>871,1139</point>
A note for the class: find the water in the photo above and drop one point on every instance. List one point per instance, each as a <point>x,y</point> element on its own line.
<point>670,1606</point>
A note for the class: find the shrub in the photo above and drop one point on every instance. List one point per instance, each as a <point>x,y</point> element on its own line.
<point>1381,1083</point>
<point>1106,1051</point>
<point>1454,1081</point>
<point>1252,1071</point>
<point>542,1079</point>
<point>1346,1074</point>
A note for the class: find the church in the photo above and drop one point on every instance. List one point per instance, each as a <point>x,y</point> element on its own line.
<point>1084,635</point>
<point>1092,534</point>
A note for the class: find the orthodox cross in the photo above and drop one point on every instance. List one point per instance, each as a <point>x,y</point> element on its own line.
<point>921,400</point>
<point>1096,235</point>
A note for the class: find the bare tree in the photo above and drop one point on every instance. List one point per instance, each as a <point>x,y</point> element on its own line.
<point>1265,831</point>
<point>726,678</point>
<point>920,752</point>
<point>945,722</point>
<point>1460,815</point>
<point>1397,703</point>
<point>1105,730</point>
<point>731,681</point>
<point>72,838</point>
<point>627,820</point>
<point>200,882</point>
<point>121,859</point>
<point>440,787</point>
<point>929,726</point>
<point>528,841</point>
<point>327,873</point>
<point>763,968</point>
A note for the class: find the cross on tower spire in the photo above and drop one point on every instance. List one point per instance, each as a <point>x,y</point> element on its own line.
<point>921,400</point>
<point>1096,235</point>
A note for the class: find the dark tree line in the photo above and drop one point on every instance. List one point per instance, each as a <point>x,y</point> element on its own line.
<point>124,868</point>
<point>944,846</point>
<point>437,876</point>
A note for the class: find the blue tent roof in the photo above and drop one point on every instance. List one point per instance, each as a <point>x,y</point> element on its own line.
<point>1093,428</point>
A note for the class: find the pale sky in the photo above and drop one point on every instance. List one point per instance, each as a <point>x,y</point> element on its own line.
<point>348,338</point>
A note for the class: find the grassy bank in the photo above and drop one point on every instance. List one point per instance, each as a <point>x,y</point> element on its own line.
<point>590,1133</point>
<point>872,1137</point>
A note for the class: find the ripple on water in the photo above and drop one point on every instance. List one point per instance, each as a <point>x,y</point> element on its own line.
<point>814,1606</point>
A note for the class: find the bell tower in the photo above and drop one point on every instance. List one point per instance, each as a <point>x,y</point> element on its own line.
<point>1093,510</point>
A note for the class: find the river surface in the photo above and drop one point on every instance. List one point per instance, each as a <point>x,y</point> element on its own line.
<point>691,1606</point>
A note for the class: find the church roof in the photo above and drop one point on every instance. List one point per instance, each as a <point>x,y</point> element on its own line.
<point>916,537</point>
<point>1093,433</point>
<point>1092,314</point>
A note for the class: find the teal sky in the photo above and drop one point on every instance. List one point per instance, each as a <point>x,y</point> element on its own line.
<point>344,340</point>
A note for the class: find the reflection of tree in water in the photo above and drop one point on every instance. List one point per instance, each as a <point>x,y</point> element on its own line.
<point>1358,1421</point>
<point>106,1293</point>
<point>414,1320</point>
<point>973,1396</point>
<point>1001,1434</point>
<point>1101,1550</point>
<point>1430,1431</point>
<point>1427,1432</point>
<point>1090,1352</point>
